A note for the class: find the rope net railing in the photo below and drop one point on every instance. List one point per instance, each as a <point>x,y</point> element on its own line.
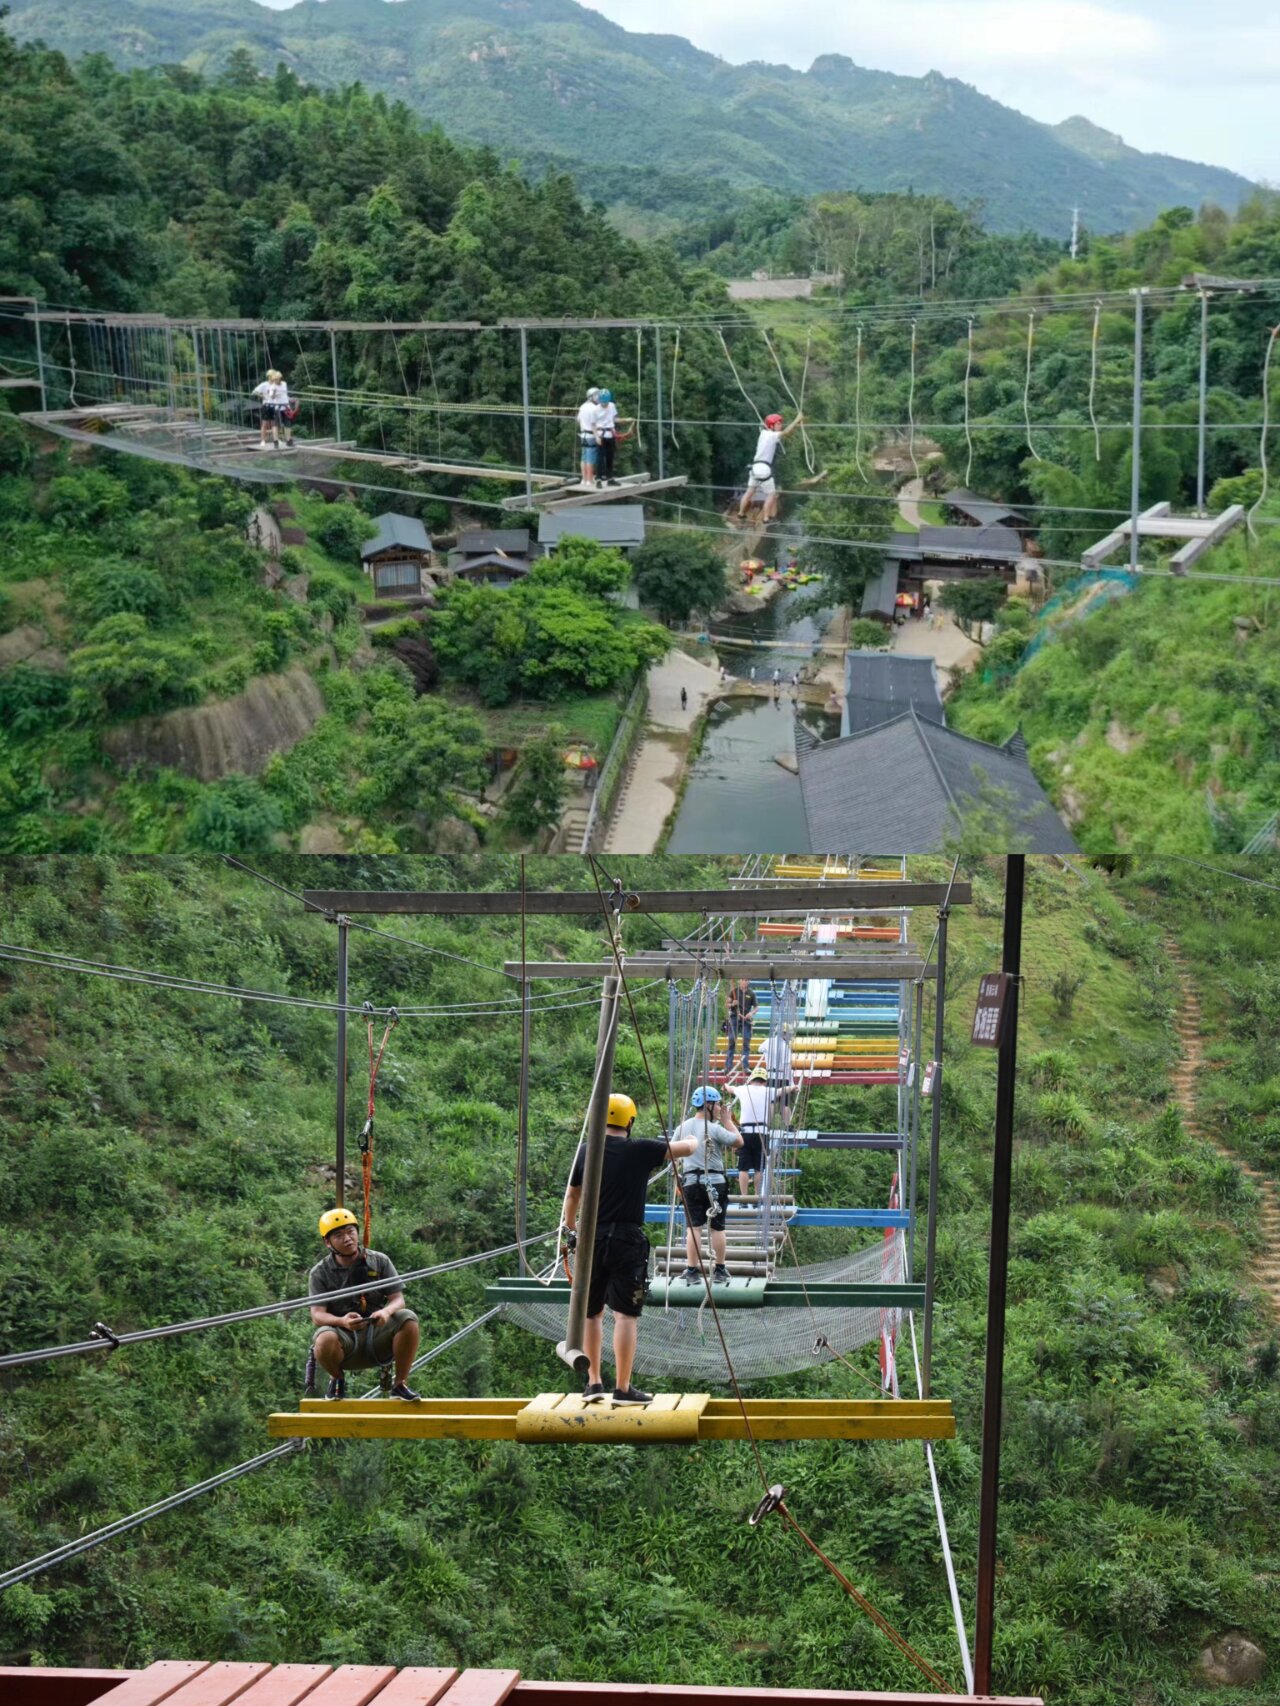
<point>682,1343</point>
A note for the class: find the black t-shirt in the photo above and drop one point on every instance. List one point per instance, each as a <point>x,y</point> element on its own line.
<point>329,1275</point>
<point>629,1164</point>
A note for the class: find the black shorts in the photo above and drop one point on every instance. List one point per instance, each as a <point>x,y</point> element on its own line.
<point>751,1155</point>
<point>703,1197</point>
<point>270,413</point>
<point>619,1271</point>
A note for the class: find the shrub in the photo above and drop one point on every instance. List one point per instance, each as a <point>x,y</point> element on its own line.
<point>536,797</point>
<point>31,698</point>
<point>236,815</point>
<point>118,589</point>
<point>867,635</point>
<point>343,529</point>
<point>123,669</point>
<point>1064,989</point>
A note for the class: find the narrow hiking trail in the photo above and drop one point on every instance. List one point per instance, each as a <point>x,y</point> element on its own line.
<point>1266,1268</point>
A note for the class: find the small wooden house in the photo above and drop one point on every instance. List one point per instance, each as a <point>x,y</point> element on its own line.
<point>399,557</point>
<point>491,556</point>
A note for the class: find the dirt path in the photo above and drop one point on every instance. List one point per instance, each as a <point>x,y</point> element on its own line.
<point>1266,1269</point>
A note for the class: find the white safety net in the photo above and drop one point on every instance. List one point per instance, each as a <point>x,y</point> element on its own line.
<point>683,1344</point>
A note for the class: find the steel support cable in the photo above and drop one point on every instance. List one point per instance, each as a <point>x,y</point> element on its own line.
<point>857,407</point>
<point>549,1000</point>
<point>73,1548</point>
<point>1093,380</point>
<point>911,404</point>
<point>953,1590</point>
<point>773,1496</point>
<point>675,363</point>
<point>107,1340</point>
<point>1026,389</point>
<point>968,424</point>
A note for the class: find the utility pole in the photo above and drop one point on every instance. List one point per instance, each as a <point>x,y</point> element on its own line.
<point>337,406</point>
<point>570,1349</point>
<point>1135,503</point>
<point>1204,401</point>
<point>998,1281</point>
<point>657,352</point>
<point>44,395</point>
<point>524,391</point>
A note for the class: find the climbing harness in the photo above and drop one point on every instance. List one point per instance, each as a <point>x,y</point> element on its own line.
<point>366,1133</point>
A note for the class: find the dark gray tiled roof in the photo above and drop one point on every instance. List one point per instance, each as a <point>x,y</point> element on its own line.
<point>907,784</point>
<point>997,543</point>
<point>607,524</point>
<point>982,510</point>
<point>881,591</point>
<point>402,530</point>
<point>480,541</point>
<point>880,686</point>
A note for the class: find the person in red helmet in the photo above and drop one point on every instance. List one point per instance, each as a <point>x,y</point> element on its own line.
<point>762,485</point>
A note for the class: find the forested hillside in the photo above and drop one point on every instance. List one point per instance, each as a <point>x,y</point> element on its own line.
<point>554,83</point>
<point>169,1155</point>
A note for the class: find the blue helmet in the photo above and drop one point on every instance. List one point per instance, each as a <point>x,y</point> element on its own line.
<point>606,397</point>
<point>703,1094</point>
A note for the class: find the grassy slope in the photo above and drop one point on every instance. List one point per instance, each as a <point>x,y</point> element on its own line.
<point>167,1158</point>
<point>1165,670</point>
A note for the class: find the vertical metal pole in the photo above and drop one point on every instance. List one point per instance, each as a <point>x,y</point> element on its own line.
<point>337,406</point>
<point>171,371</point>
<point>657,351</point>
<point>195,347</point>
<point>1135,501</point>
<point>524,393</point>
<point>522,1141</point>
<point>570,1349</point>
<point>1001,1179</point>
<point>1204,399</point>
<point>340,1165</point>
<point>935,1132</point>
<point>913,1118</point>
<point>672,1014</point>
<point>44,395</point>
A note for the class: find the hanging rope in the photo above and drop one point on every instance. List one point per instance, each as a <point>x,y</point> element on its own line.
<point>639,388</point>
<point>857,409</point>
<point>796,401</point>
<point>804,381</point>
<point>1026,390</point>
<point>546,419</point>
<point>1264,451</point>
<point>968,428</point>
<point>746,394</point>
<point>366,1134</point>
<point>675,362</point>
<point>71,358</point>
<point>1093,380</point>
<point>911,406</point>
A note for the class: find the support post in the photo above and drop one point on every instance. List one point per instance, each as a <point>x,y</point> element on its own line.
<point>340,1101</point>
<point>195,349</point>
<point>528,434</point>
<point>522,1138</point>
<point>44,395</point>
<point>1135,500</point>
<point>913,1118</point>
<point>570,1348</point>
<point>1204,400</point>
<point>333,367</point>
<point>171,371</point>
<point>935,1132</point>
<point>997,1286</point>
<point>657,350</point>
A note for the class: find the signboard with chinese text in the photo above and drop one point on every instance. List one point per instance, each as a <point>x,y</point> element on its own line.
<point>988,1018</point>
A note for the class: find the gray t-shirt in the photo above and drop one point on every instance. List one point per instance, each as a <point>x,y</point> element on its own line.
<point>713,1140</point>
<point>369,1265</point>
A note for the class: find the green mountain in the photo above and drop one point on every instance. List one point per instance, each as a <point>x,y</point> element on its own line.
<point>651,122</point>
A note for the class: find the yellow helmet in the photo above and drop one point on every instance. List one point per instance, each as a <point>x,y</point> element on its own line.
<point>622,1111</point>
<point>333,1218</point>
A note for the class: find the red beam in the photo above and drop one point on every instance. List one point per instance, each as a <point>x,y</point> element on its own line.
<point>48,1685</point>
<point>418,1685</point>
<point>651,1694</point>
<point>219,1685</point>
<point>352,1685</point>
<point>481,1688</point>
<point>156,1683</point>
<point>285,1685</point>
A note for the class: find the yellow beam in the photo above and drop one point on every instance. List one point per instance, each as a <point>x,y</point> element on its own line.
<point>671,1418</point>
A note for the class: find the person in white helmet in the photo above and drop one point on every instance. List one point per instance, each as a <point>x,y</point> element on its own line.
<point>588,426</point>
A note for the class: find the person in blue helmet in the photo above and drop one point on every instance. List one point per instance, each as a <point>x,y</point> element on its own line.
<point>609,435</point>
<point>704,1178</point>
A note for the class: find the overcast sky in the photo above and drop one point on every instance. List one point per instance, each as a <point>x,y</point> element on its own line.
<point>1172,76</point>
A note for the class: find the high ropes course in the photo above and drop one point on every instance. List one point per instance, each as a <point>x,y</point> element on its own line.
<point>829,949</point>
<point>381,403</point>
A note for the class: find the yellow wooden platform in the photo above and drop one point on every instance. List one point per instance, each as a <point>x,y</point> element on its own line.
<point>673,1418</point>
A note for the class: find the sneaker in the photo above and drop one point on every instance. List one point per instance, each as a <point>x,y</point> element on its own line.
<point>631,1395</point>
<point>720,1274</point>
<point>594,1391</point>
<point>690,1276</point>
<point>406,1394</point>
<point>337,1387</point>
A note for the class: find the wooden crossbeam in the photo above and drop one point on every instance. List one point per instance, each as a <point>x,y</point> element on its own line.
<point>817,897</point>
<point>562,1418</point>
